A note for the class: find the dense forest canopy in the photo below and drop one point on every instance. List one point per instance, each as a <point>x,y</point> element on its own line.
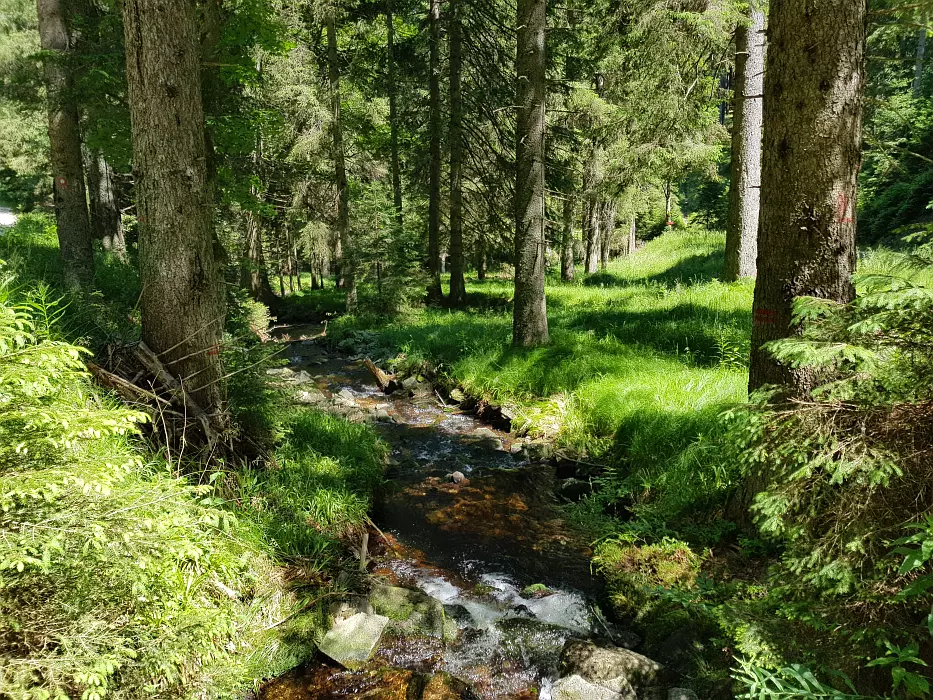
<point>674,254</point>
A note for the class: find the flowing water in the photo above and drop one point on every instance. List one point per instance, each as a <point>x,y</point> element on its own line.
<point>473,545</point>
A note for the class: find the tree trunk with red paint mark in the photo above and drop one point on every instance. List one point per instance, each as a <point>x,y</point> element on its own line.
<point>814,81</point>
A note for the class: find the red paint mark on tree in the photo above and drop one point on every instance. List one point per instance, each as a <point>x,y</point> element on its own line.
<point>843,215</point>
<point>62,182</point>
<point>214,350</point>
<point>764,316</point>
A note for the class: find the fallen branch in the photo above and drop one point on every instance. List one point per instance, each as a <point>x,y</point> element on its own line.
<point>386,382</point>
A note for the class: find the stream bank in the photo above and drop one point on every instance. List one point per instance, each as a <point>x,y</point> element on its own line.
<point>480,589</point>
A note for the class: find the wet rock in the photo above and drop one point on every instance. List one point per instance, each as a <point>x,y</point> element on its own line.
<point>382,414</point>
<point>457,396</point>
<point>488,433</point>
<point>516,448</point>
<point>578,688</point>
<point>681,694</point>
<point>535,590</point>
<point>312,396</point>
<point>456,477</point>
<point>531,641</point>
<point>443,686</point>
<point>575,489</point>
<point>409,382</point>
<point>352,641</point>
<point>459,614</point>
<point>411,612</point>
<point>537,451</point>
<point>612,667</point>
<point>280,372</point>
<point>346,395</point>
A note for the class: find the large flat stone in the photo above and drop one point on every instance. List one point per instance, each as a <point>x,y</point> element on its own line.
<point>352,641</point>
<point>577,688</point>
<point>612,667</point>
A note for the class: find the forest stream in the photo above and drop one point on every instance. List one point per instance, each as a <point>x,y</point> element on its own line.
<point>467,524</point>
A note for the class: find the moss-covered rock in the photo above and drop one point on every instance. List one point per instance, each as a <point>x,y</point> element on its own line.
<point>352,641</point>
<point>411,612</point>
<point>633,571</point>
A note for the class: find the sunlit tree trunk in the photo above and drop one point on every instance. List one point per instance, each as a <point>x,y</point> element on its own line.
<point>457,285</point>
<point>434,175</point>
<point>106,220</point>
<point>566,242</point>
<point>71,214</point>
<point>254,276</point>
<point>529,324</point>
<point>745,186</point>
<point>812,151</point>
<point>393,117</point>
<point>344,249</point>
<point>607,231</point>
<point>592,235</point>
<point>182,299</point>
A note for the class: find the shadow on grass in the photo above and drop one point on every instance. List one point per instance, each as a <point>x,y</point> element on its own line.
<point>684,329</point>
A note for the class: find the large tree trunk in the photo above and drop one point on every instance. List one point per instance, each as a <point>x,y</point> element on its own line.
<point>745,187</point>
<point>344,248</point>
<point>253,274</point>
<point>606,231</point>
<point>566,242</point>
<point>529,324</point>
<point>457,285</point>
<point>393,117</point>
<point>71,215</point>
<point>182,298</point>
<point>106,220</point>
<point>434,175</point>
<point>812,150</point>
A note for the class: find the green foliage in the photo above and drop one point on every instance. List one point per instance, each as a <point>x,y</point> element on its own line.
<point>115,575</point>
<point>635,572</point>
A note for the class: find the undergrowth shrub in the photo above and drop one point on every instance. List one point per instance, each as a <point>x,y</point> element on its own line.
<point>845,476</point>
<point>117,579</point>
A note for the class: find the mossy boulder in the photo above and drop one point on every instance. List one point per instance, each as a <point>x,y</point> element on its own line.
<point>634,571</point>
<point>620,670</point>
<point>411,612</point>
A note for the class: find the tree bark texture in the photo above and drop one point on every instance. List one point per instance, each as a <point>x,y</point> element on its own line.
<point>529,324</point>
<point>71,214</point>
<point>566,242</point>
<point>344,248</point>
<point>747,113</point>
<point>434,175</point>
<point>182,297</point>
<point>106,220</point>
<point>814,81</point>
<point>393,116</point>
<point>457,284</point>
